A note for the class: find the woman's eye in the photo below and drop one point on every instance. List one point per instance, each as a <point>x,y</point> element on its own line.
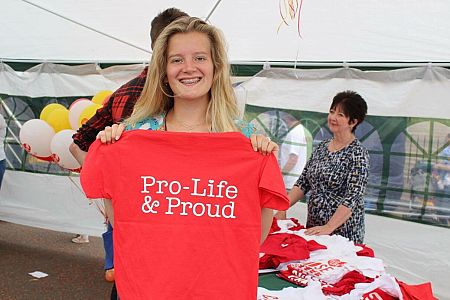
<point>176,60</point>
<point>200,58</point>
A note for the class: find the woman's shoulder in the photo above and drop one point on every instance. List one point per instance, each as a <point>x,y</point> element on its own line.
<point>323,144</point>
<point>358,149</point>
<point>356,144</point>
<point>246,128</point>
<point>150,123</point>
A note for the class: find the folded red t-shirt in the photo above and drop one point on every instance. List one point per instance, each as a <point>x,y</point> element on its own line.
<point>416,292</point>
<point>346,284</point>
<point>365,251</point>
<point>283,247</point>
<point>377,294</point>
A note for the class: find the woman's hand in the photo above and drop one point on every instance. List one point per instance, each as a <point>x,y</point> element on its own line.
<point>111,133</point>
<point>319,230</point>
<point>264,145</point>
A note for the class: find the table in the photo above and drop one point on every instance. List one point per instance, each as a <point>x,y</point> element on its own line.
<point>271,282</point>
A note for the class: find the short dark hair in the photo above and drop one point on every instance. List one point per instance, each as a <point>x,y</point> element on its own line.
<point>352,105</point>
<point>163,19</point>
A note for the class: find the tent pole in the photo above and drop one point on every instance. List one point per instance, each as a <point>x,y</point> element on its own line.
<point>212,10</point>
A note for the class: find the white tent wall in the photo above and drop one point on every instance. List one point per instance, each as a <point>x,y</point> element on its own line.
<point>56,80</point>
<point>403,92</point>
<point>51,202</point>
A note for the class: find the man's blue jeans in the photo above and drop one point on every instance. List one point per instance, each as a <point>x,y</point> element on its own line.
<point>108,244</point>
<point>2,170</point>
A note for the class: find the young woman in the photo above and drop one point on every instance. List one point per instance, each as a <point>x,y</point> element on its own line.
<point>188,90</point>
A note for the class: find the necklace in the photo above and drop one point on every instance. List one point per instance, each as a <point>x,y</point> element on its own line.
<point>334,146</point>
<point>188,127</point>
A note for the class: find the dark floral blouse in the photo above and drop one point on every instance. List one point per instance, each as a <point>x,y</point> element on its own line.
<point>333,179</point>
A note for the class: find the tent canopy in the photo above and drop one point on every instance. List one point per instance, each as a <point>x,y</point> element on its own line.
<point>256,31</point>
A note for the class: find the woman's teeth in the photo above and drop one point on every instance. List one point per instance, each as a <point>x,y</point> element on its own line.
<point>190,81</point>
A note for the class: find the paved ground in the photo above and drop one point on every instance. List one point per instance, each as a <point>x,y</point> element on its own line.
<point>75,270</point>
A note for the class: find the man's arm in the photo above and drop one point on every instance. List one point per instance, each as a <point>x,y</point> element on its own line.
<point>87,133</point>
<point>290,164</point>
<point>441,166</point>
<point>119,106</point>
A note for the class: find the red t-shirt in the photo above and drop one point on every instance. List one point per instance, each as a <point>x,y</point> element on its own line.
<point>187,211</point>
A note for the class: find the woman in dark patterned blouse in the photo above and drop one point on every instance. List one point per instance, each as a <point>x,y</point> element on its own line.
<point>336,174</point>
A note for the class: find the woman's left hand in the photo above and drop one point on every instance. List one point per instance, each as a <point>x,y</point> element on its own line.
<point>111,133</point>
<point>319,230</point>
<point>264,145</point>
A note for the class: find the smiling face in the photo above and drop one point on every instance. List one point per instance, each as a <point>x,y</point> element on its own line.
<point>338,122</point>
<point>190,67</point>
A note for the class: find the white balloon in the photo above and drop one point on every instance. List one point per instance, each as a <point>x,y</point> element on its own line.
<point>75,111</point>
<point>35,137</point>
<point>60,150</point>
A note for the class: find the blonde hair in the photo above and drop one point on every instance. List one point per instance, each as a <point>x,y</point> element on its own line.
<point>156,99</point>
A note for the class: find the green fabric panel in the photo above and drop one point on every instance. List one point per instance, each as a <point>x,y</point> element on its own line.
<point>404,181</point>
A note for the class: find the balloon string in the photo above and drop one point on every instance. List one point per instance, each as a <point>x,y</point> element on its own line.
<point>99,204</point>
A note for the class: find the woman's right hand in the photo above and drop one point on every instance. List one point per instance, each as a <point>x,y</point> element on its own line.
<point>111,133</point>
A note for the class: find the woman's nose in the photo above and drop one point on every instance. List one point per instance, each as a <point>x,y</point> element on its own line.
<point>188,66</point>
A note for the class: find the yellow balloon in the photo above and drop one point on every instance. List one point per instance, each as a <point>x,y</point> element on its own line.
<point>87,113</point>
<point>100,97</point>
<point>59,119</point>
<point>48,109</point>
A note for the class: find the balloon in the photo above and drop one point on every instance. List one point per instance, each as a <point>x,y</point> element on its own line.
<point>75,111</point>
<point>48,109</point>
<point>35,137</point>
<point>87,113</point>
<point>76,101</point>
<point>59,119</point>
<point>49,158</point>
<point>60,150</point>
<point>106,100</point>
<point>100,97</point>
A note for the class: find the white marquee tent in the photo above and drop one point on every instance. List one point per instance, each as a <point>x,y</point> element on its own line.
<point>370,33</point>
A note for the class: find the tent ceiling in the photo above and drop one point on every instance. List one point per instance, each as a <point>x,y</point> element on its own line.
<point>332,31</point>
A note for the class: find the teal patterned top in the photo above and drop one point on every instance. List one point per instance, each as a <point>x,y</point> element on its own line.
<point>157,123</point>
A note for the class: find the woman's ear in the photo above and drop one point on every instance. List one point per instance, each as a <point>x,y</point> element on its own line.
<point>353,122</point>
